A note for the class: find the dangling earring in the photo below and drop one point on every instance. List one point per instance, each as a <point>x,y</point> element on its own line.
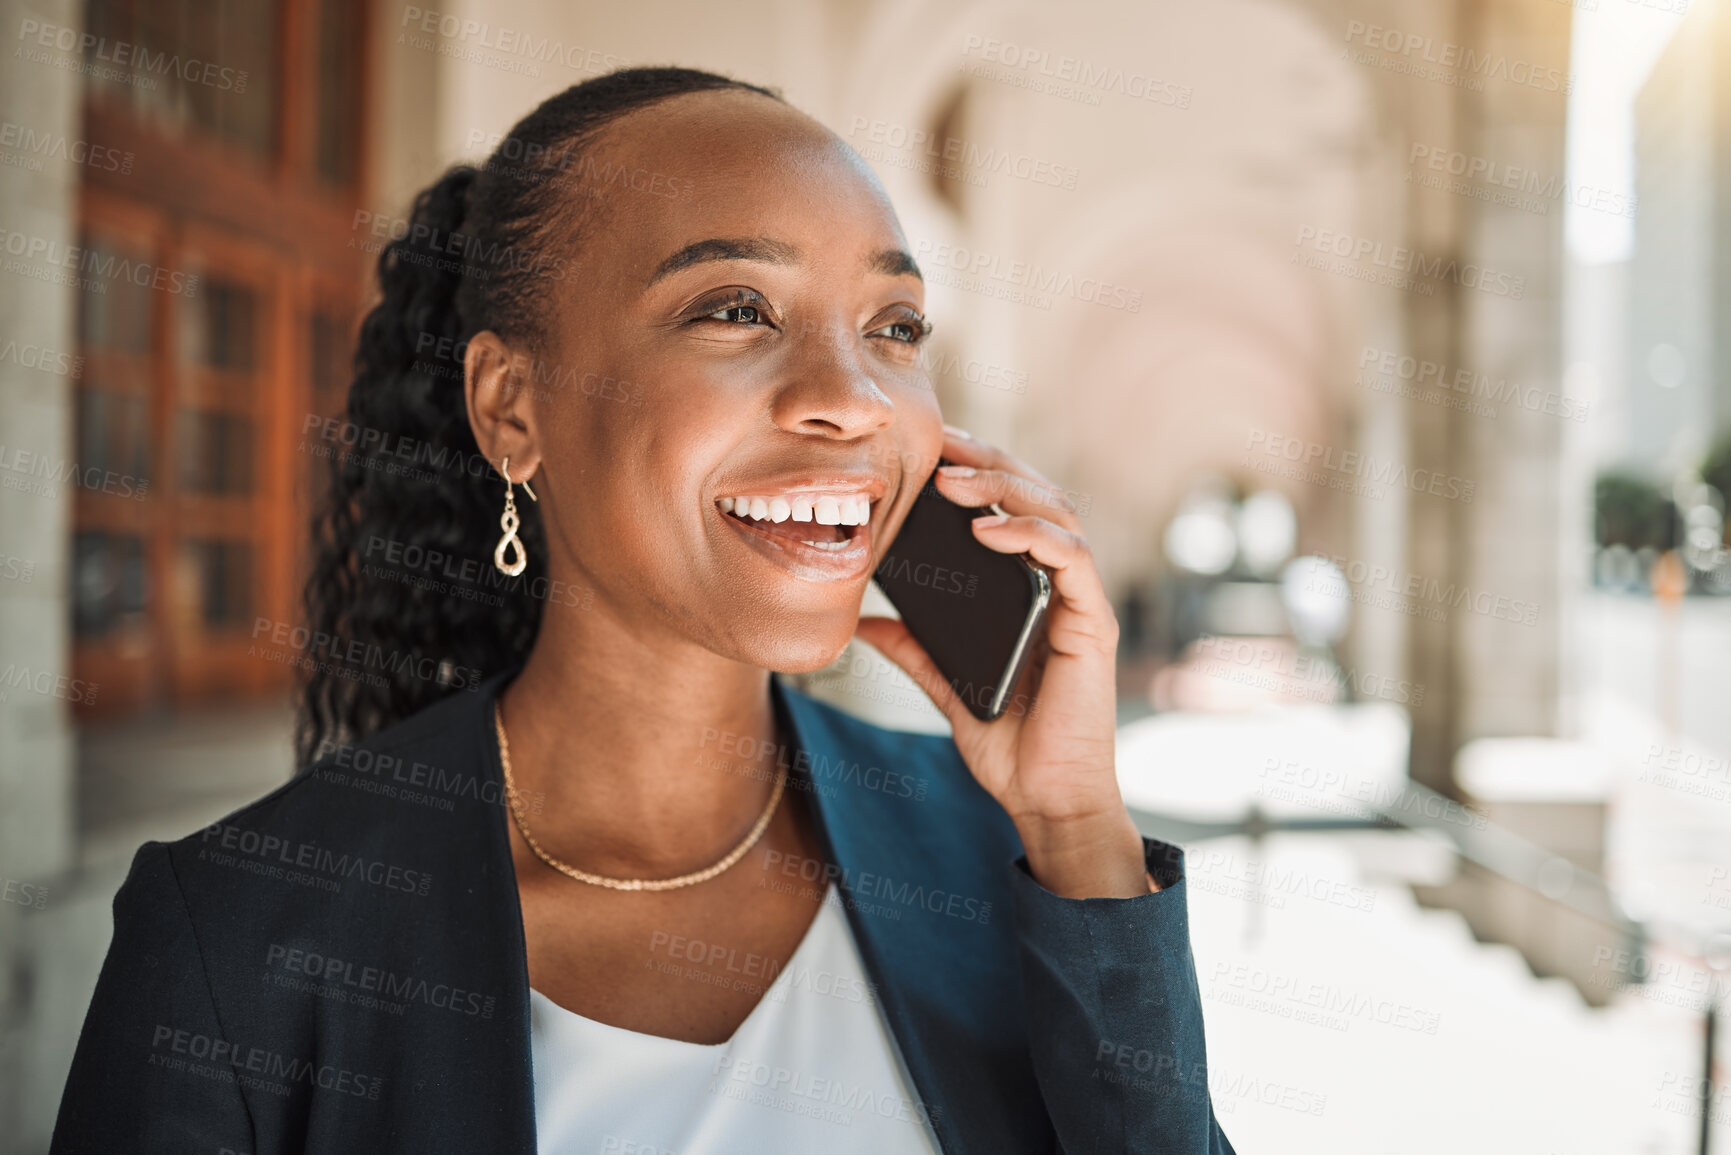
<point>508,521</point>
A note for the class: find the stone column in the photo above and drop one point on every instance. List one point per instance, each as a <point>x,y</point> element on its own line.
<point>39,187</point>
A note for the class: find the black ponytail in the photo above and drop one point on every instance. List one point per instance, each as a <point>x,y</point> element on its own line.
<point>403,603</point>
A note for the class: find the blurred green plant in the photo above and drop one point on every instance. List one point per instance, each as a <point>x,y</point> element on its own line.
<point>1631,511</point>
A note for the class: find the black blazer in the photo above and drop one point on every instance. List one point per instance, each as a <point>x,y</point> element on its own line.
<point>340,967</point>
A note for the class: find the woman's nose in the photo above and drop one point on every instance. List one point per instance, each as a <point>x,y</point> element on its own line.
<point>830,389</point>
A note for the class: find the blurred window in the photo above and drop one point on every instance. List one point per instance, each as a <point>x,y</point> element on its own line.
<point>109,584</point>
<point>198,67</point>
<point>220,574</point>
<point>217,313</point>
<point>337,89</point>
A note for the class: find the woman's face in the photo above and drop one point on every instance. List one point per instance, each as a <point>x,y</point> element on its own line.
<point>741,381</point>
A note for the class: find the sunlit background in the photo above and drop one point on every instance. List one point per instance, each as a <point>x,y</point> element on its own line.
<point>1380,342</point>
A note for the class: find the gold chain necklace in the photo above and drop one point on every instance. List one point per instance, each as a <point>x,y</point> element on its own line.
<point>691,879</point>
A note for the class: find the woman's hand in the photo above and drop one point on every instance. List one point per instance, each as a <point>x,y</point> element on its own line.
<point>1049,759</point>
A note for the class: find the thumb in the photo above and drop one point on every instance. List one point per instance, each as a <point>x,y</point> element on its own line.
<point>890,637</point>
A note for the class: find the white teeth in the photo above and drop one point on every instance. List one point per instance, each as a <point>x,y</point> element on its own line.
<point>824,509</point>
<point>831,546</point>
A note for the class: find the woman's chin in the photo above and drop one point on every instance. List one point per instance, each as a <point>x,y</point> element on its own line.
<point>804,654</point>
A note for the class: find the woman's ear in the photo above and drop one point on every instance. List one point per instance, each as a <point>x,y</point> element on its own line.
<point>499,410</point>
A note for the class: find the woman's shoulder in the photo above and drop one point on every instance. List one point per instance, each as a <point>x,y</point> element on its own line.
<point>364,819</point>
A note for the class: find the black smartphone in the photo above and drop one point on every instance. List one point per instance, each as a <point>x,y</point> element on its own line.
<point>977,612</point>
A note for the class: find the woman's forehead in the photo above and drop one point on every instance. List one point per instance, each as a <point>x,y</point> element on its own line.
<point>731,164</point>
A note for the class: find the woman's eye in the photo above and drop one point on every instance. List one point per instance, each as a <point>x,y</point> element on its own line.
<point>739,314</point>
<point>907,332</point>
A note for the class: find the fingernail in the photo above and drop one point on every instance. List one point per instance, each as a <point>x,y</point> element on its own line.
<point>990,520</point>
<point>962,433</point>
<point>957,470</point>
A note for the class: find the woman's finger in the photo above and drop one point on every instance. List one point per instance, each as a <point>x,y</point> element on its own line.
<point>1066,557</point>
<point>963,449</point>
<point>1015,494</point>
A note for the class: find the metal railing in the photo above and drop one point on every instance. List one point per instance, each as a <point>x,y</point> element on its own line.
<point>1490,847</point>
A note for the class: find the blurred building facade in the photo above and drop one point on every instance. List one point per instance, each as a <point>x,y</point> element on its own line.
<point>1163,242</point>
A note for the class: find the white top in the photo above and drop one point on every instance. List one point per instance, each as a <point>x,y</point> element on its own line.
<point>813,1068</point>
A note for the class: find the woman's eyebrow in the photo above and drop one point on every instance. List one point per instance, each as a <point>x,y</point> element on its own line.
<point>728,249</point>
<point>895,263</point>
<point>892,262</point>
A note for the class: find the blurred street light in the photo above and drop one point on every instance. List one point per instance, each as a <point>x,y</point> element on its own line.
<point>1201,538</point>
<point>1267,532</point>
<point>1317,599</point>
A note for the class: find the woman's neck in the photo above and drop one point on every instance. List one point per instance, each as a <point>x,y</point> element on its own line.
<point>650,759</point>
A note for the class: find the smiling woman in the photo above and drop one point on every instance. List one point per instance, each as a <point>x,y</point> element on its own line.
<point>592,878</point>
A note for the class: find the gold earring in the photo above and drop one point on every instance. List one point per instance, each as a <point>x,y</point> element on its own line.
<point>508,521</point>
